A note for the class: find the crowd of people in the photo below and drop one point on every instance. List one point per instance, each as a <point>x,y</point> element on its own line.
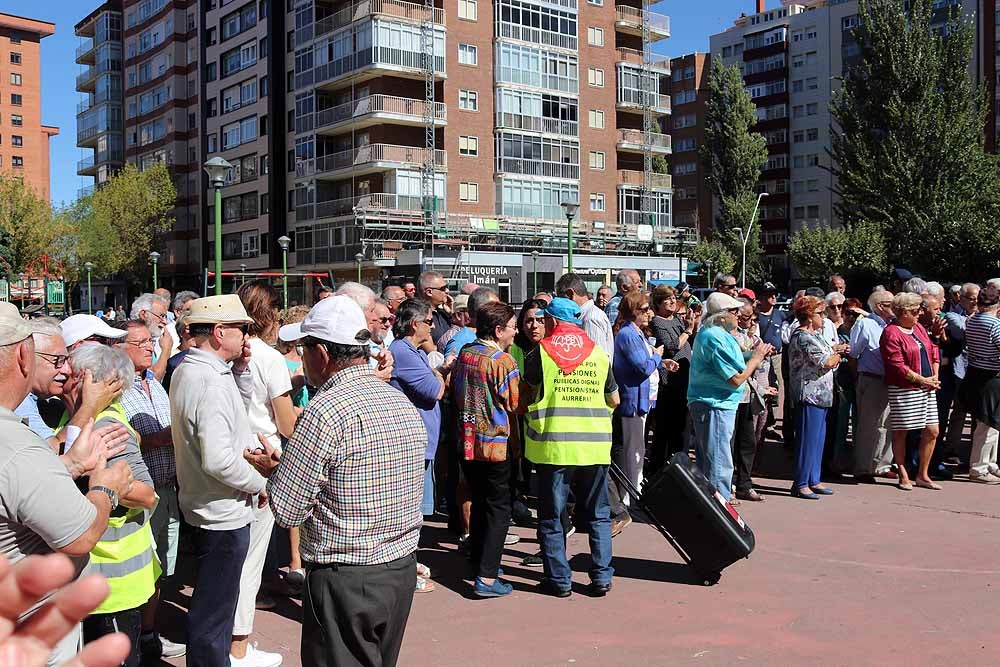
<point>221,427</point>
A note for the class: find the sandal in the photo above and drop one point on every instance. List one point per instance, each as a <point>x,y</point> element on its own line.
<point>928,485</point>
<point>751,495</point>
<point>423,585</point>
<point>423,571</point>
<point>905,486</point>
<point>735,502</point>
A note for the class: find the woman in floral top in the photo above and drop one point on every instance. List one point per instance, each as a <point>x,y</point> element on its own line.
<point>811,363</point>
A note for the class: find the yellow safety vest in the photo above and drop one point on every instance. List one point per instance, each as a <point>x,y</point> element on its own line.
<point>124,554</point>
<point>570,424</point>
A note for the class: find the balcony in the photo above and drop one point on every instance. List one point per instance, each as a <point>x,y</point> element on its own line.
<point>85,191</point>
<point>630,99</point>
<point>376,203</point>
<point>85,80</point>
<point>370,62</point>
<point>630,20</point>
<point>656,218</point>
<point>376,109</point>
<point>364,9</point>
<point>368,159</point>
<point>635,179</point>
<point>94,100</point>
<point>85,52</point>
<point>88,165</point>
<point>516,121</point>
<point>634,141</point>
<point>635,57</point>
<point>525,167</point>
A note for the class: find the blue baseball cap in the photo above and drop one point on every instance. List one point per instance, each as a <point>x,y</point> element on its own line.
<point>564,309</point>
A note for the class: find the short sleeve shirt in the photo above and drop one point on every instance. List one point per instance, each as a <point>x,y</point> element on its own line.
<point>29,410</point>
<point>270,380</point>
<point>716,357</point>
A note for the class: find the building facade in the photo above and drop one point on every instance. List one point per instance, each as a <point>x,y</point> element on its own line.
<point>686,126</point>
<point>24,139</point>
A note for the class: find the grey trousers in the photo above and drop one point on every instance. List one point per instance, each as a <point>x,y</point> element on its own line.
<point>873,443</point>
<point>629,458</point>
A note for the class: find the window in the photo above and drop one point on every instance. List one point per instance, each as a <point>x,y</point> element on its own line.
<point>684,145</point>
<point>798,111</point>
<point>812,109</point>
<point>15,79</point>
<point>16,140</point>
<point>685,96</point>
<point>15,99</point>
<point>15,58</point>
<point>812,211</point>
<point>238,21</point>
<point>468,192</point>
<point>468,100</point>
<point>468,54</point>
<point>468,10</point>
<point>239,132</point>
<point>812,134</point>
<point>468,146</point>
<point>687,120</point>
<point>595,77</point>
<point>210,72</point>
<point>16,120</point>
<point>596,160</point>
<point>798,136</point>
<point>239,58</point>
<point>797,86</point>
<point>595,36</point>
<point>15,38</point>
<point>596,3</point>
<point>16,161</point>
<point>812,83</point>
<point>213,143</point>
<point>597,119</point>
<point>597,201</point>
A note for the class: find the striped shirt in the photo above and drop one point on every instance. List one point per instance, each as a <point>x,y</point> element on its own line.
<point>982,341</point>
<point>352,473</point>
<point>149,413</point>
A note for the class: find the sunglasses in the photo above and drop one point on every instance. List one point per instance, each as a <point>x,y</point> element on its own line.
<point>733,286</point>
<point>242,328</point>
<point>838,306</point>
<point>643,309</point>
<point>385,320</point>
<point>443,288</point>
<point>56,360</point>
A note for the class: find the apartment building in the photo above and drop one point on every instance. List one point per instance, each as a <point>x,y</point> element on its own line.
<point>449,134</point>
<point>791,57</point>
<point>24,139</point>
<point>688,90</point>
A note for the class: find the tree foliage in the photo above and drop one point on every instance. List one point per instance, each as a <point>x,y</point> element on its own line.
<point>714,257</point>
<point>907,142</point>
<point>28,226</point>
<point>733,156</point>
<point>856,252</point>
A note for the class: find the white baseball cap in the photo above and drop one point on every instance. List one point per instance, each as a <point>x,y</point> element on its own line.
<point>718,302</point>
<point>336,319</point>
<point>81,327</point>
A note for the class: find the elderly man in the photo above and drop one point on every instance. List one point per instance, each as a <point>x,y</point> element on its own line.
<point>595,321</point>
<point>718,373</point>
<point>77,329</point>
<point>726,283</point>
<point>152,309</point>
<point>627,280</point>
<point>434,289</point>
<point>180,308</point>
<point>836,283</point>
<point>165,293</point>
<point>958,362</point>
<point>210,431</point>
<point>410,290</point>
<point>603,296</point>
<point>41,509</point>
<point>380,325</point>
<point>147,408</point>
<point>393,295</point>
<point>380,358</point>
<point>356,434</point>
<point>872,443</point>
<point>467,334</point>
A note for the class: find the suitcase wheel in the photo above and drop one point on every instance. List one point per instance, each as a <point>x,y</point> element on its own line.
<point>711,579</point>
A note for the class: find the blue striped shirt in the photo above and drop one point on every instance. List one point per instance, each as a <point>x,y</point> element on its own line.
<point>982,341</point>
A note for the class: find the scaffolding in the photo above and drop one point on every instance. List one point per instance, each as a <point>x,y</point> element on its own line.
<point>428,175</point>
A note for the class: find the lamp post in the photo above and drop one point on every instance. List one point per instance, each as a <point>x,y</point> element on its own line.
<point>217,169</point>
<point>708,274</point>
<point>284,242</point>
<point>243,273</point>
<point>154,258</point>
<point>90,297</point>
<point>534,268</point>
<point>359,258</point>
<point>746,237</point>
<point>570,208</point>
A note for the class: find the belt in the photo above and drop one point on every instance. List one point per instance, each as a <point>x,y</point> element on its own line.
<point>871,375</point>
<point>346,566</point>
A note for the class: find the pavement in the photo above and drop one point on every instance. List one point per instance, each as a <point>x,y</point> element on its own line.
<point>869,576</point>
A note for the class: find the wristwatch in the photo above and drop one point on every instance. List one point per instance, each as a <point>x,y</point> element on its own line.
<point>111,494</point>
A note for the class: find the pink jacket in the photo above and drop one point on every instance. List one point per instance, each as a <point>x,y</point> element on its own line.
<point>901,354</point>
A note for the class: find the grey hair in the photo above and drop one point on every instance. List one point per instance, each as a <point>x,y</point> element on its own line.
<point>480,298</point>
<point>409,312</point>
<point>927,299</point>
<point>623,278</point>
<point>145,302</point>
<point>969,288</point>
<point>571,281</point>
<point>915,286</point>
<point>935,288</point>
<point>427,277</point>
<point>994,282</point>
<point>835,296</point>
<point>362,295</point>
<point>183,297</point>
<point>45,326</point>
<point>103,362</point>
<point>386,291</point>
<point>721,278</point>
<point>719,319</point>
<point>876,296</point>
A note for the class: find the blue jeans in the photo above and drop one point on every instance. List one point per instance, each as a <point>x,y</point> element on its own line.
<point>713,436</point>
<point>591,503</point>
<point>427,504</point>
<point>811,438</point>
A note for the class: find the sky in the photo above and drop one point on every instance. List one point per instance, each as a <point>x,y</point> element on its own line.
<point>692,21</point>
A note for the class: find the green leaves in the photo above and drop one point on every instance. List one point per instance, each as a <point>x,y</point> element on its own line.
<point>714,256</point>
<point>28,227</point>
<point>855,251</point>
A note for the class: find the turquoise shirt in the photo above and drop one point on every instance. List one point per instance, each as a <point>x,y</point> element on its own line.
<point>716,357</point>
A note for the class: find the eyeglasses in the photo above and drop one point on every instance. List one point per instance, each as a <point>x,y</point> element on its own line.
<point>161,316</point>
<point>385,320</point>
<point>57,360</point>
<point>838,306</point>
<point>242,328</point>
<point>643,309</point>
<point>140,343</point>
<point>429,321</point>
<point>728,286</point>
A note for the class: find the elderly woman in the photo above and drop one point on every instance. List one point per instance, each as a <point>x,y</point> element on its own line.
<point>911,373</point>
<point>980,390</point>
<point>811,360</point>
<point>718,373</point>
<point>674,333</point>
<point>125,553</point>
<point>486,386</point>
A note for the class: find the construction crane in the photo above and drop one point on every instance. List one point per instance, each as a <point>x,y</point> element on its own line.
<point>429,171</point>
<point>647,119</point>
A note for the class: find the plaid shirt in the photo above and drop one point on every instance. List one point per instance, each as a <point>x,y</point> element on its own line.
<point>352,474</point>
<point>149,413</point>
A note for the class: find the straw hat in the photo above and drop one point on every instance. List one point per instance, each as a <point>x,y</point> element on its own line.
<point>221,309</point>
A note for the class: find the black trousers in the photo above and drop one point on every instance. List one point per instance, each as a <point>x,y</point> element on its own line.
<point>671,423</point>
<point>210,617</point>
<point>356,614</point>
<point>744,448</point>
<point>489,486</point>
<point>129,622</point>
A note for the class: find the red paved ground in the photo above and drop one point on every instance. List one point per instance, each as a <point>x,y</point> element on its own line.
<point>870,576</point>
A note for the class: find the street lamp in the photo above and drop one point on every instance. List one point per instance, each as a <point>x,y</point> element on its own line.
<point>90,297</point>
<point>243,274</point>
<point>154,258</point>
<point>217,170</point>
<point>359,258</point>
<point>284,241</point>
<point>534,267</point>
<point>570,208</point>
<point>746,237</point>
<point>708,274</point>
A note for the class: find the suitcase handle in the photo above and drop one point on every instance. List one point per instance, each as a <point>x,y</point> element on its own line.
<point>623,479</point>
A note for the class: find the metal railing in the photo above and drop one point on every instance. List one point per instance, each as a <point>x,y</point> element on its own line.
<point>388,104</point>
<point>372,203</point>
<point>510,165</point>
<point>635,57</point>
<point>635,98</point>
<point>631,177</point>
<point>370,154</point>
<point>86,47</point>
<point>638,137</point>
<point>362,9</point>
<point>516,121</point>
<point>536,35</point>
<point>632,16</point>
<point>86,76</point>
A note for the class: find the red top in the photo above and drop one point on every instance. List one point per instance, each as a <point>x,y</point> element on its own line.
<point>901,354</point>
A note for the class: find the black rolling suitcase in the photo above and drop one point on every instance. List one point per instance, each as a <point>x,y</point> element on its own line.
<point>706,531</point>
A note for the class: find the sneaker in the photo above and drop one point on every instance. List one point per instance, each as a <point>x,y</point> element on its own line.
<point>547,587</point>
<point>532,560</point>
<point>497,589</point>
<point>423,571</point>
<point>295,578</point>
<point>987,478</point>
<point>520,514</point>
<point>172,649</point>
<point>512,538</point>
<point>255,658</point>
<point>571,532</point>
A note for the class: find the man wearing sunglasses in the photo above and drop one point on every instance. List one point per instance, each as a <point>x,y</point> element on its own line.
<point>434,289</point>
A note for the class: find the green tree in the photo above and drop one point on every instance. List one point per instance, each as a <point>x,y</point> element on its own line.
<point>855,252</point>
<point>733,156</point>
<point>660,165</point>
<point>714,257</point>
<point>907,142</point>
<point>28,226</point>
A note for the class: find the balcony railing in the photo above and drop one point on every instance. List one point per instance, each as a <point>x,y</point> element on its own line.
<point>635,98</point>
<point>516,121</point>
<point>363,204</point>
<point>378,104</point>
<point>537,36</point>
<point>100,157</point>
<point>91,131</point>
<point>86,47</point>
<point>381,56</point>
<point>368,155</point>
<point>509,165</point>
<point>85,191</point>
<point>654,218</point>
<point>89,74</point>
<point>633,18</point>
<point>635,57</point>
<point>362,9</point>
<point>631,177</point>
<point>638,137</point>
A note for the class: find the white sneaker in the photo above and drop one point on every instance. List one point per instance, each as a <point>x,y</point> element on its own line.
<point>512,538</point>
<point>172,649</point>
<point>987,478</point>
<point>255,658</point>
